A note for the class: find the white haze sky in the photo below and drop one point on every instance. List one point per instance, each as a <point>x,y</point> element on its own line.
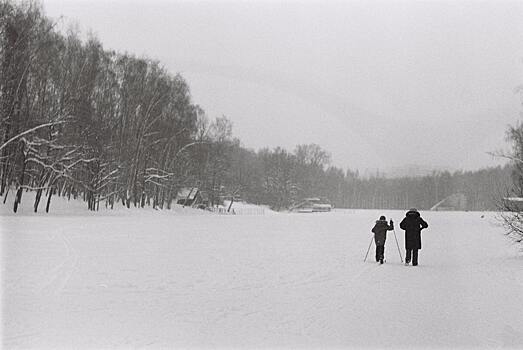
<point>379,84</point>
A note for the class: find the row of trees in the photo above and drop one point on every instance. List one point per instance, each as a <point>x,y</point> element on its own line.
<point>284,178</point>
<point>80,121</point>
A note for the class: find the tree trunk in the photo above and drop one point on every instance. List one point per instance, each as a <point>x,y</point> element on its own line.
<point>37,199</point>
<point>230,205</point>
<point>6,193</point>
<point>18,197</point>
<point>49,200</point>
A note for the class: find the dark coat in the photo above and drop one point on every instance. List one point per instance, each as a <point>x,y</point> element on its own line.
<point>380,231</point>
<point>413,224</point>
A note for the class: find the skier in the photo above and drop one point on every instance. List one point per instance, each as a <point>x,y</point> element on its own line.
<point>380,235</point>
<point>412,224</point>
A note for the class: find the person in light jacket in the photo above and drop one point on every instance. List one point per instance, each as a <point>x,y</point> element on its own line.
<point>380,235</point>
<point>412,224</point>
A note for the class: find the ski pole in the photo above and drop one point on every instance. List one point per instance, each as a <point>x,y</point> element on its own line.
<point>368,250</point>
<point>397,244</point>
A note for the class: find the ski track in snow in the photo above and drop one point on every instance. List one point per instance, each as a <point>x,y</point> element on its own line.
<point>179,281</point>
<point>60,275</point>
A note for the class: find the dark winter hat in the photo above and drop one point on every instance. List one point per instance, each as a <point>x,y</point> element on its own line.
<point>413,212</point>
<point>383,217</point>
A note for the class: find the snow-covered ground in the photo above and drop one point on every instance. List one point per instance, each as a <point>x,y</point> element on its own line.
<point>149,279</point>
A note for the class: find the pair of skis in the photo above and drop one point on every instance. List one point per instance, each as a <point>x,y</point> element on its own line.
<point>397,244</point>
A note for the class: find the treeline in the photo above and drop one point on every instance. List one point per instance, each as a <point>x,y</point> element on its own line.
<point>114,129</point>
<point>480,189</point>
<point>104,126</point>
<point>281,178</point>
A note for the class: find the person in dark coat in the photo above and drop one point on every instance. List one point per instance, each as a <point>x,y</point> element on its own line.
<point>412,224</point>
<point>380,235</point>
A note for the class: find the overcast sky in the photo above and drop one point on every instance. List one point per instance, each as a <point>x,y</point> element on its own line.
<point>378,84</point>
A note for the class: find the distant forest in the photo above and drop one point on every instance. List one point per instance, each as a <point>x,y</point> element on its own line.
<point>114,129</point>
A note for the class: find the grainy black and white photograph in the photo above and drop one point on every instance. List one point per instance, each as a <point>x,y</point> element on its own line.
<point>261,174</point>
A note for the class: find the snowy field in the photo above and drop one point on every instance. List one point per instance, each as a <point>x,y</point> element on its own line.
<point>148,279</point>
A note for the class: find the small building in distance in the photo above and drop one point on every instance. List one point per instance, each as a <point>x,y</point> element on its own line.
<point>456,201</point>
<point>513,204</point>
<point>312,205</point>
<point>192,197</point>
